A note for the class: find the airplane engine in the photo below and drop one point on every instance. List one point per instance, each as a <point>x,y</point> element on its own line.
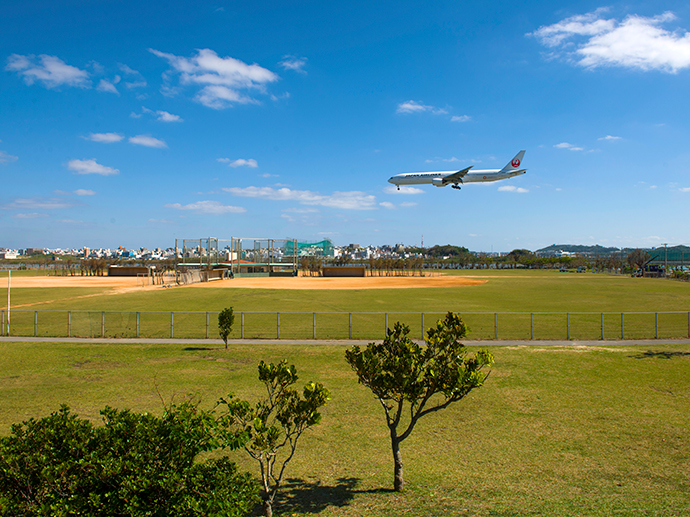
<point>438,182</point>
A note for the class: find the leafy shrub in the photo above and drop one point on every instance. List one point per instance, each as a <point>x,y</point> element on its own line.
<point>136,464</point>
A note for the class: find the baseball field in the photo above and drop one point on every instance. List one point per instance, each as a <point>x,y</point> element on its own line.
<point>493,303</point>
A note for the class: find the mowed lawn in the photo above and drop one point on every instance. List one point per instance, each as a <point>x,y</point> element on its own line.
<point>555,430</point>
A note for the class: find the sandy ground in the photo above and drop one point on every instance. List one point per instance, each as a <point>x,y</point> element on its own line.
<point>127,284</point>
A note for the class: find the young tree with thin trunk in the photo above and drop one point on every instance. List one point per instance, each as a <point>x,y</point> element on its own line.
<point>412,381</point>
<point>226,319</point>
<point>272,428</point>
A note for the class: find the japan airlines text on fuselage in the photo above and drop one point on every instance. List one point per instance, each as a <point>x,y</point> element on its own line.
<point>443,178</point>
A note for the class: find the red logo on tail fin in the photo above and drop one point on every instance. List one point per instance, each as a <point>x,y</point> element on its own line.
<point>515,163</point>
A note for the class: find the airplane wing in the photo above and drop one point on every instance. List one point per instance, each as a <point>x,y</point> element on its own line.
<point>456,177</point>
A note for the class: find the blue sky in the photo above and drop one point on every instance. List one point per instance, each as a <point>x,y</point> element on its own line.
<point>135,123</point>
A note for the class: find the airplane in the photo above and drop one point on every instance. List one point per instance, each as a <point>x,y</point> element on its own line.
<point>443,178</point>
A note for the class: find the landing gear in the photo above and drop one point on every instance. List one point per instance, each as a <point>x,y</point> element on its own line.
<point>398,187</point>
<point>456,186</point>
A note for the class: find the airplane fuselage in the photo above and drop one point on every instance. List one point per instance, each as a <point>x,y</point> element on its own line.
<point>455,178</point>
<point>478,176</point>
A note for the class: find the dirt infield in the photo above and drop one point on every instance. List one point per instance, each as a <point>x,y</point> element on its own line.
<point>72,281</point>
<point>130,283</point>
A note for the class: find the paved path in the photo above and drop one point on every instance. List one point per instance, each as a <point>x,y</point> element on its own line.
<point>348,342</point>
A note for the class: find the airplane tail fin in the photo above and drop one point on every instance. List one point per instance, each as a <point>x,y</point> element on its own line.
<point>514,163</point>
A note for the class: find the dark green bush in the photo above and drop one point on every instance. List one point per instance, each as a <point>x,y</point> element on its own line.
<point>136,464</point>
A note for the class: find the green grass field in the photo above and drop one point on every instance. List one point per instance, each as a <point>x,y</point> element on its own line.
<point>520,291</point>
<point>555,431</point>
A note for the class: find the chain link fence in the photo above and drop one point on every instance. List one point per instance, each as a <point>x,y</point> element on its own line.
<point>343,325</point>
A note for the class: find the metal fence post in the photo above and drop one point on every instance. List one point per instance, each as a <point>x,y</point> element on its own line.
<point>622,326</point>
<point>350,329</point>
<point>206,324</point>
<point>656,325</point>
<point>69,323</point>
<point>172,325</point>
<point>278,324</point>
<point>35,323</point>
<point>137,325</point>
<point>242,317</point>
<point>602,326</point>
<point>3,323</point>
<point>531,325</point>
<point>103,324</point>
<point>688,323</point>
<point>567,325</point>
<point>314,325</point>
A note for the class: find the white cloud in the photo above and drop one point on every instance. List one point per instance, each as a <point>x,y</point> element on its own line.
<point>7,158</point>
<point>636,42</point>
<point>403,190</point>
<point>461,118</point>
<point>38,203</point>
<point>138,80</point>
<point>301,210</point>
<point>147,141</point>
<point>50,71</point>
<point>29,216</point>
<point>684,189</point>
<point>610,138</point>
<point>512,188</point>
<point>84,192</point>
<point>135,115</point>
<point>570,147</point>
<point>418,107</point>
<point>208,207</point>
<point>105,138</point>
<point>107,86</point>
<point>388,205</point>
<point>408,204</point>
<point>448,160</point>
<point>164,116</point>
<point>353,200</point>
<point>90,167</point>
<point>296,64</point>
<point>240,162</point>
<point>222,79</point>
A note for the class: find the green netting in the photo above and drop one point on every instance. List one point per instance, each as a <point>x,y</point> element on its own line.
<point>322,248</point>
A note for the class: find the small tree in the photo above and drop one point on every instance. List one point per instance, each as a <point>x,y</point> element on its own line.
<point>638,258</point>
<point>275,424</point>
<point>226,319</point>
<point>412,381</point>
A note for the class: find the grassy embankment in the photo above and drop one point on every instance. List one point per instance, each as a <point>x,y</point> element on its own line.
<point>505,291</point>
<point>555,431</point>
